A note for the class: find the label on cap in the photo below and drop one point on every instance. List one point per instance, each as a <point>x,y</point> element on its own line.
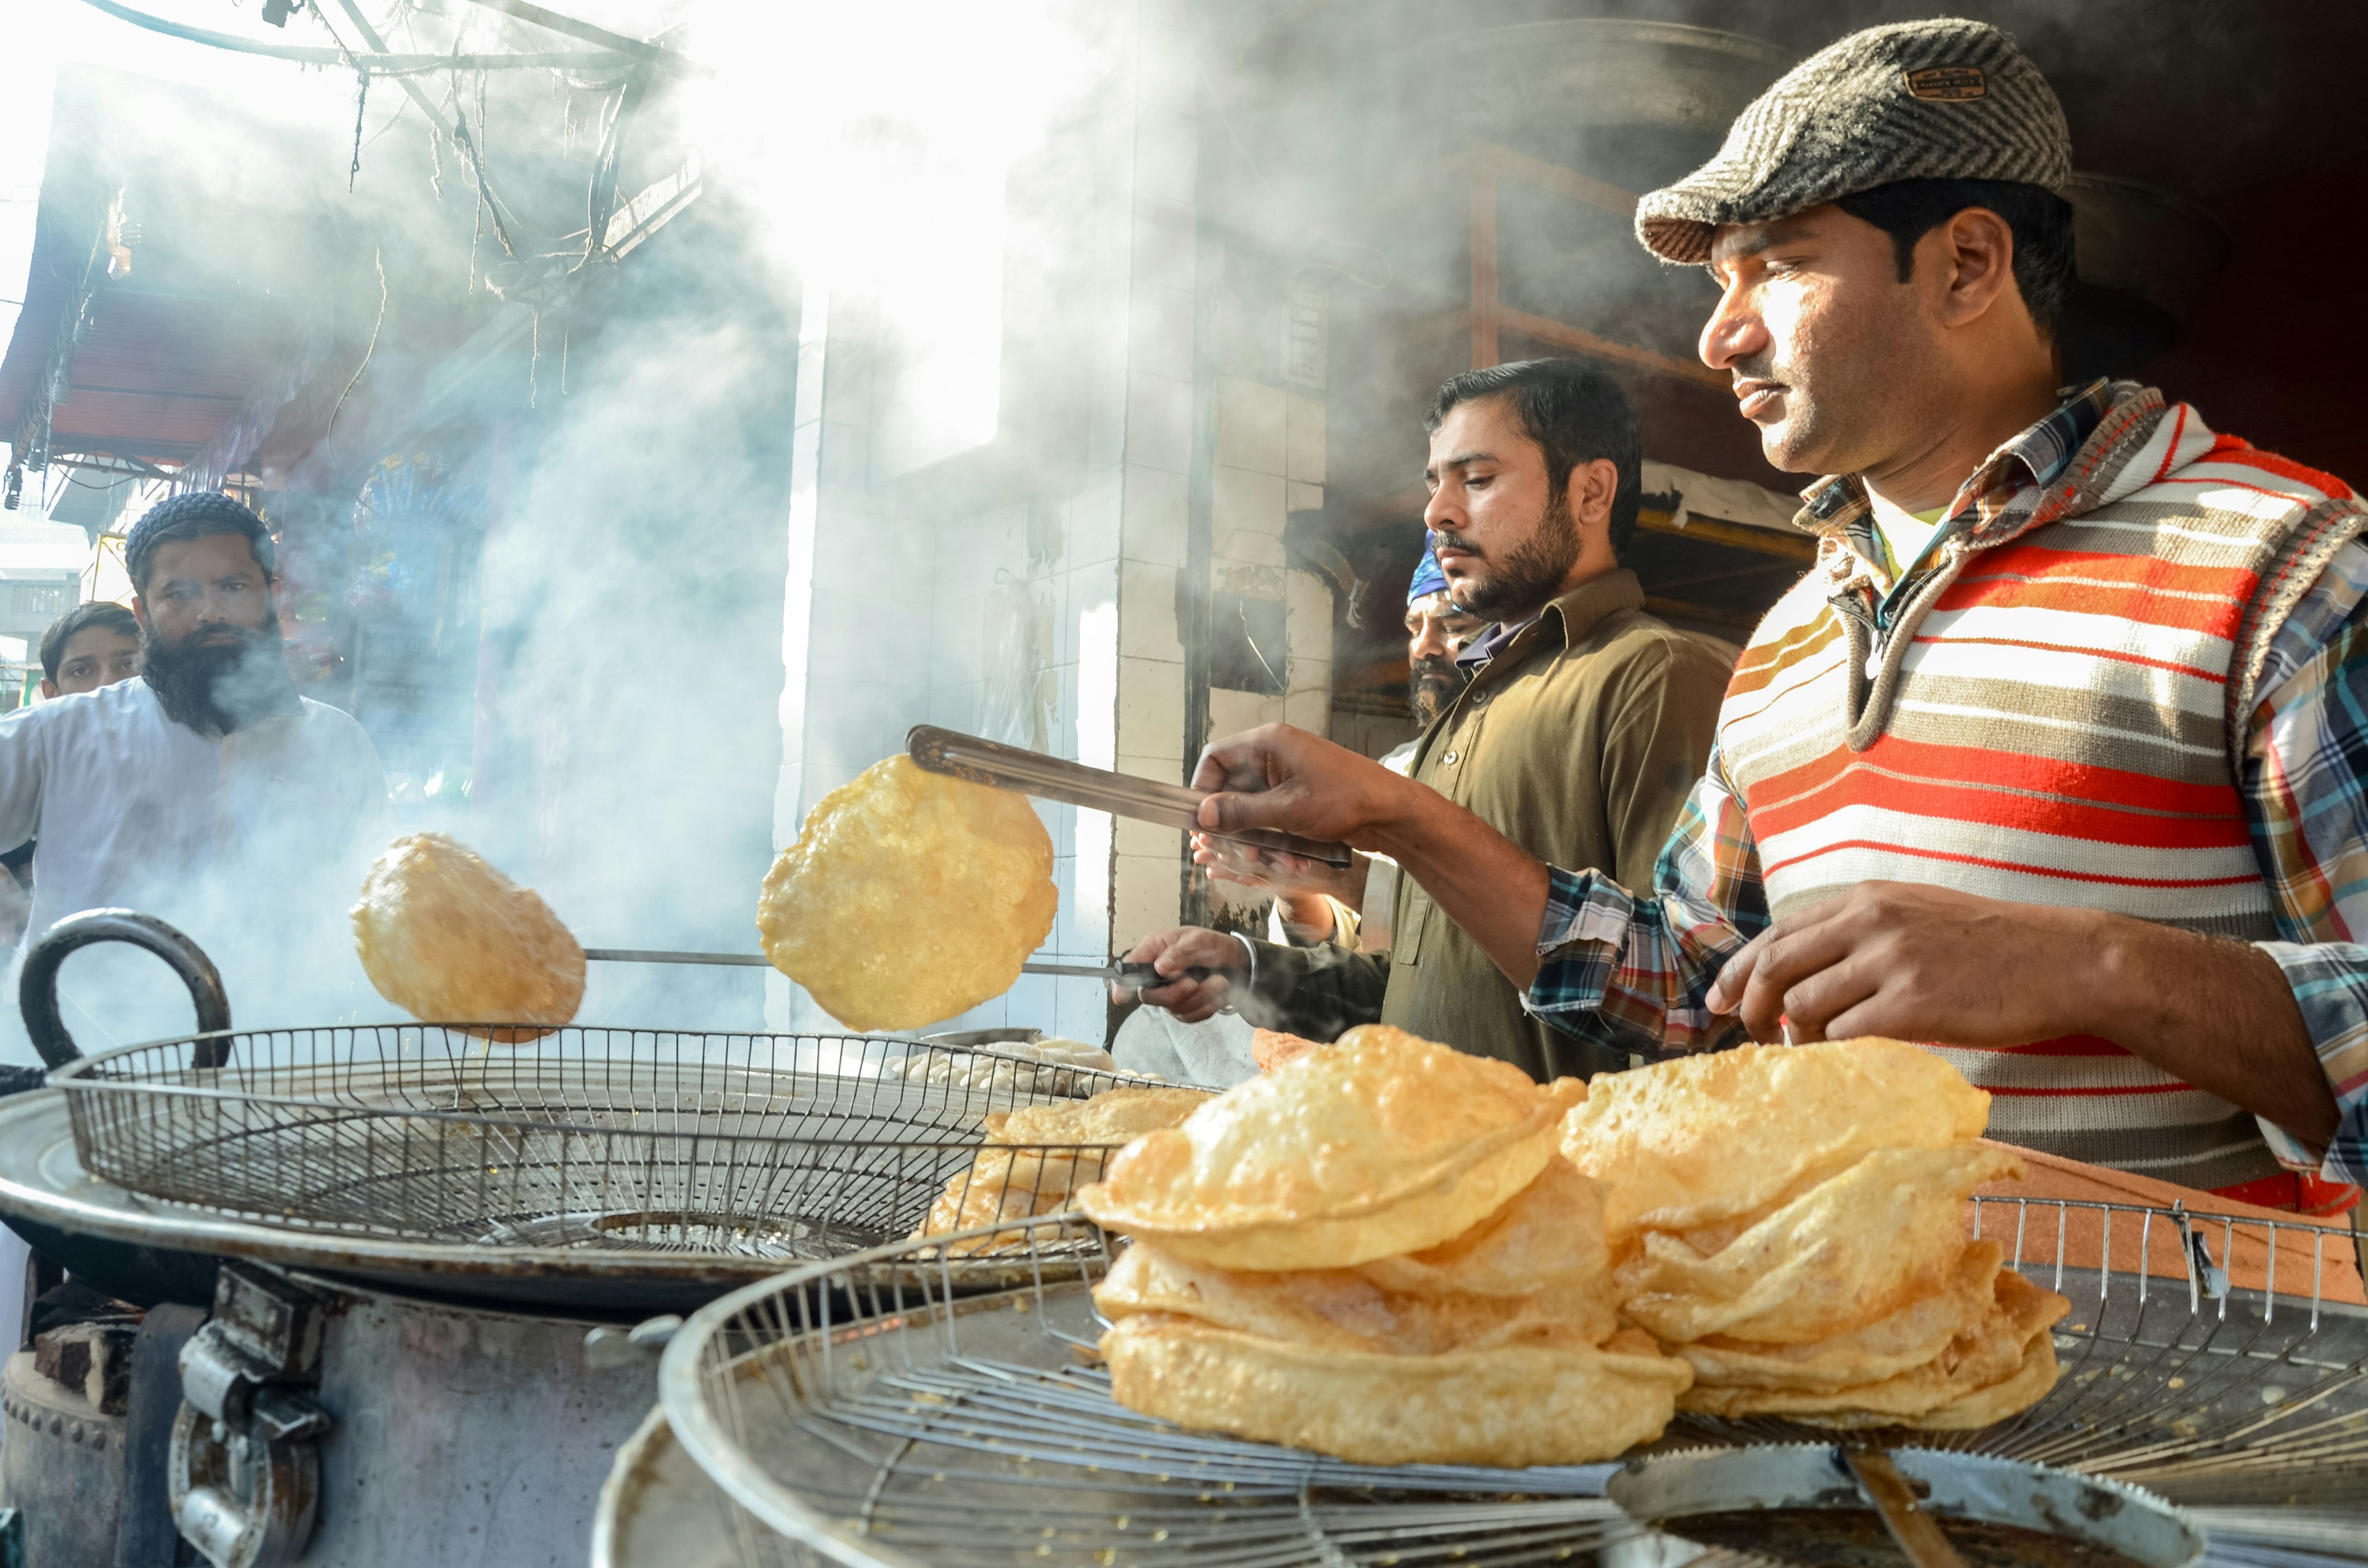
<point>1947,84</point>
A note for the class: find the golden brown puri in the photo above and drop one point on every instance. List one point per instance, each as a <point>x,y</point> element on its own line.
<point>2000,1364</point>
<point>1378,1145</point>
<point>1036,1156</point>
<point>1511,1404</point>
<point>1536,1271</point>
<point>1847,1252</point>
<point>447,937</point>
<point>1665,1140</point>
<point>909,897</point>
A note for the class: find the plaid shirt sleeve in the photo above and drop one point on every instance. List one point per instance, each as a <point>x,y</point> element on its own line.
<point>2306,785</point>
<point>1630,971</point>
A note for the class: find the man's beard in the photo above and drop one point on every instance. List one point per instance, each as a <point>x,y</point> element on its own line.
<point>215,688</point>
<point>1434,683</point>
<point>1530,577</point>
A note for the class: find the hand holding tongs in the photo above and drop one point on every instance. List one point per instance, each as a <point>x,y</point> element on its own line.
<point>1055,778</point>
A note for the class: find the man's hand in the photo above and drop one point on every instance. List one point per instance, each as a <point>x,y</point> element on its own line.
<point>1926,963</point>
<point>1914,963</point>
<point>1187,947</point>
<point>1280,777</point>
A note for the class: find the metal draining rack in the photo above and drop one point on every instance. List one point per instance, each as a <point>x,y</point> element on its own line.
<point>871,1412</point>
<point>771,1146</point>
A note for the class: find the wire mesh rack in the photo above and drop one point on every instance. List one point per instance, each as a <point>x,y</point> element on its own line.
<point>784,1147</point>
<point>889,1419</point>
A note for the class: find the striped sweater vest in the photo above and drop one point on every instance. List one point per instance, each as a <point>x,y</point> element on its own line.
<point>2052,719</point>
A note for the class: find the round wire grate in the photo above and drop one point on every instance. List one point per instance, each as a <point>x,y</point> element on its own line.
<point>789,1147</point>
<point>871,1410</point>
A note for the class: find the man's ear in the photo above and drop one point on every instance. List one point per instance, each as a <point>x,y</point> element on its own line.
<point>1976,263</point>
<point>49,689</point>
<point>140,611</point>
<point>1590,491</point>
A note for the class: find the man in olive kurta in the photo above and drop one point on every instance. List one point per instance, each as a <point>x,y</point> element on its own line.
<point>1586,722</point>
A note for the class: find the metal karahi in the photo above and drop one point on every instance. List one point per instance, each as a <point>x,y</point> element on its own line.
<point>869,1411</point>
<point>695,1145</point>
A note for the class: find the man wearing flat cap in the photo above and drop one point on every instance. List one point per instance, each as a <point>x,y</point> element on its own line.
<point>2057,758</point>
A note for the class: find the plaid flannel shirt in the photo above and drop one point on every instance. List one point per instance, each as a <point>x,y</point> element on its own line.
<point>1632,971</point>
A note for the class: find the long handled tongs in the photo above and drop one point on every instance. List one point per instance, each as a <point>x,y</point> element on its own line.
<point>1055,779</point>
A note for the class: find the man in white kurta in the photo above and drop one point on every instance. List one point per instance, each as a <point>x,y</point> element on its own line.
<point>243,814</point>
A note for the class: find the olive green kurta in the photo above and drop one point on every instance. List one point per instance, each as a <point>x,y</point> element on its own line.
<point>1579,742</point>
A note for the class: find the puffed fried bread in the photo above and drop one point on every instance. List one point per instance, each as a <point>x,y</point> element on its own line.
<point>1381,1144</point>
<point>909,897</point>
<point>1510,1405</point>
<point>1704,1139</point>
<point>447,937</point>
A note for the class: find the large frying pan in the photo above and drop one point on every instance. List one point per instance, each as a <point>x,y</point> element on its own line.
<point>144,1276</point>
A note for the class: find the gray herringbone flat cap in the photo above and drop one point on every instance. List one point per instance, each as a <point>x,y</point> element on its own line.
<point>1941,99</point>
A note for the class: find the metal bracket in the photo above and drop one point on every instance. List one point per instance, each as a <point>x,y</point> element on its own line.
<point>245,1471</point>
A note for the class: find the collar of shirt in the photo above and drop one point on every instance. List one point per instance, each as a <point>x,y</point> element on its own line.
<point>1579,610</point>
<point>1839,511</point>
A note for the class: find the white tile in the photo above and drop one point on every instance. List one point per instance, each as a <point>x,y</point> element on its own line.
<point>1148,838</point>
<point>1109,402</point>
<point>1090,521</point>
<point>1252,424</point>
<point>1029,1003</point>
<point>1159,330</point>
<point>1158,422</point>
<point>1247,499</point>
<point>1145,896</point>
<point>1166,152</point>
<point>1165,770</point>
<point>1146,612</point>
<point>1164,237</point>
<point>1151,707</point>
<point>1309,710</point>
<point>1311,674</point>
<point>1081,1010</point>
<point>1299,495</point>
<point>1153,515</point>
<point>1250,546</point>
<point>1303,455</point>
<point>1164,65</point>
<point>1231,713</point>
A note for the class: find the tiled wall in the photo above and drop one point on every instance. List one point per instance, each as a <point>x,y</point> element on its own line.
<point>1051,616</point>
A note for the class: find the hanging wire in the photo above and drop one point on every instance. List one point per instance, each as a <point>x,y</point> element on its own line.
<point>361,102</point>
<point>378,259</point>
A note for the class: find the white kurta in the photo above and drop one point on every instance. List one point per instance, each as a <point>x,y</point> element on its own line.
<point>253,845</point>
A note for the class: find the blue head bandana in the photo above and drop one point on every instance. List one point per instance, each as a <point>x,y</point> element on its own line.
<point>1427,578</point>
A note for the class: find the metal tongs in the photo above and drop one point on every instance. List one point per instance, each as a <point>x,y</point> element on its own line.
<point>1055,779</point>
<point>1131,976</point>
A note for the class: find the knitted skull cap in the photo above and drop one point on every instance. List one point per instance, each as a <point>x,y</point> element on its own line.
<point>1939,99</point>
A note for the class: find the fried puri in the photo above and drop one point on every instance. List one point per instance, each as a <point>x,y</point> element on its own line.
<point>1514,1404</point>
<point>1536,1271</point>
<point>1667,1142</point>
<point>1380,1145</point>
<point>1846,1253</point>
<point>909,897</point>
<point>2001,1363</point>
<point>446,937</point>
<point>1035,1157</point>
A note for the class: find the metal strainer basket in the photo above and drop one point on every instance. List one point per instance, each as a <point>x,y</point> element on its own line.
<point>790,1146</point>
<point>888,1418</point>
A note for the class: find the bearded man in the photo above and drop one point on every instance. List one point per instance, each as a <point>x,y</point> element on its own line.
<point>1584,723</point>
<point>208,791</point>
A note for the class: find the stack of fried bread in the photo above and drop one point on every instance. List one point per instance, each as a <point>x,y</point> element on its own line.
<point>1036,1156</point>
<point>1376,1251</point>
<point>1792,1223</point>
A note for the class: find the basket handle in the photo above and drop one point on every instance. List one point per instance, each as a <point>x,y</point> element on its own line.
<point>37,992</point>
